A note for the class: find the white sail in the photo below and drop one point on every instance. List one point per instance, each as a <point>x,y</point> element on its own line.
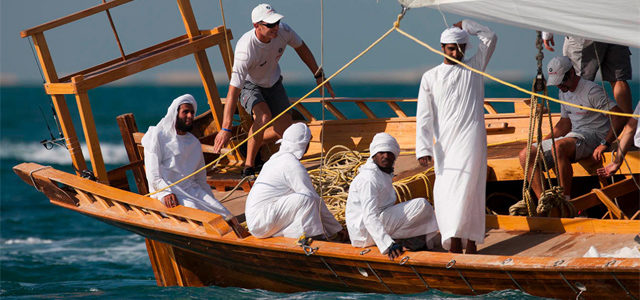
<point>613,21</point>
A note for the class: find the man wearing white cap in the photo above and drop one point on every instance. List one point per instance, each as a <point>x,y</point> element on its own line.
<point>171,152</point>
<point>579,133</point>
<point>587,56</point>
<point>282,201</point>
<point>257,81</point>
<point>373,217</point>
<point>451,112</point>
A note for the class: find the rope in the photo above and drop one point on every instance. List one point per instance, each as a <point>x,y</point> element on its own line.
<point>332,180</point>
<point>507,83</point>
<point>282,113</point>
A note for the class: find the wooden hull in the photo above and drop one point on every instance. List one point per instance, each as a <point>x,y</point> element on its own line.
<point>188,247</point>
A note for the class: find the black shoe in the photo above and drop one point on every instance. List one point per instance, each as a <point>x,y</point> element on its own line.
<point>248,171</point>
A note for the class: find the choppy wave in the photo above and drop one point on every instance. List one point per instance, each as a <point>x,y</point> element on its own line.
<point>27,241</point>
<point>35,152</point>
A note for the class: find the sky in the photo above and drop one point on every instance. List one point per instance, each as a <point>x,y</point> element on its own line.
<point>349,27</point>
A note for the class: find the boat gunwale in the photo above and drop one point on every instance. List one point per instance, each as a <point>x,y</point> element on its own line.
<point>426,258</point>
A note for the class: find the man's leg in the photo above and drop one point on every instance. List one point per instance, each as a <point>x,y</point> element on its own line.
<point>535,184</point>
<point>261,116</point>
<point>456,245</point>
<point>566,151</point>
<point>471,247</point>
<point>622,94</point>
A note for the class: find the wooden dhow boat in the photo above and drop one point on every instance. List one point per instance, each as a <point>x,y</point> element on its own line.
<point>188,247</point>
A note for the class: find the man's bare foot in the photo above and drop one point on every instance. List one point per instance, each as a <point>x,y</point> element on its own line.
<point>471,247</point>
<point>456,245</point>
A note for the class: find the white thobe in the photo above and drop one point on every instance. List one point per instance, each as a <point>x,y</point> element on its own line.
<point>372,216</point>
<point>164,167</point>
<point>283,202</point>
<point>451,111</point>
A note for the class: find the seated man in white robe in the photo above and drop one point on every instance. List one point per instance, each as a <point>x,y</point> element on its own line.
<point>283,202</point>
<point>171,153</point>
<point>372,215</point>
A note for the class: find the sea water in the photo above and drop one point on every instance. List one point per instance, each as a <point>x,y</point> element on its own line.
<point>50,252</point>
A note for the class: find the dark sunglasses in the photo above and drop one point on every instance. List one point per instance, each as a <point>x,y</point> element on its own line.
<point>270,25</point>
<point>566,77</point>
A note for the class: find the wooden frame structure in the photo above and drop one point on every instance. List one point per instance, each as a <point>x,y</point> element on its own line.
<point>194,42</point>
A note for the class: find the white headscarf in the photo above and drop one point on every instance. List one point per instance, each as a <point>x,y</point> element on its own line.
<point>384,142</point>
<point>165,131</point>
<point>295,139</point>
<point>454,35</point>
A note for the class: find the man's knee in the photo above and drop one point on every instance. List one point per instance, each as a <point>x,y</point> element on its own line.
<point>523,155</point>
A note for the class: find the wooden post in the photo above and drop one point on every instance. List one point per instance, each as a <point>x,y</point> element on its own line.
<point>208,81</point>
<point>60,104</point>
<point>90,133</point>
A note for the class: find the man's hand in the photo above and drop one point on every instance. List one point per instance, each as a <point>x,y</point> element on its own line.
<point>459,25</point>
<point>394,251</point>
<point>222,138</point>
<point>425,160</point>
<point>170,200</point>
<point>549,43</point>
<point>609,170</point>
<point>327,86</point>
<point>597,153</point>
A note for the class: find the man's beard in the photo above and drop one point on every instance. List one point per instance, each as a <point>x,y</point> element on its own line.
<point>387,170</point>
<point>182,125</point>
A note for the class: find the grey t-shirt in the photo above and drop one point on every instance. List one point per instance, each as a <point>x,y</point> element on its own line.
<point>588,94</point>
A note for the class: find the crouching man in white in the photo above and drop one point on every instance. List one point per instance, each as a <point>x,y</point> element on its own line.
<point>282,201</point>
<point>371,214</point>
<point>171,153</point>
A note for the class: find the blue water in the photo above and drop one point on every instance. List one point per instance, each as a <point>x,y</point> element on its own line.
<point>50,252</point>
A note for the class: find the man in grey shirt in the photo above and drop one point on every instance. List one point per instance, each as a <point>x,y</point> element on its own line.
<point>580,133</point>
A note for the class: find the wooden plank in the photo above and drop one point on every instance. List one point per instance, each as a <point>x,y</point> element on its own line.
<point>91,135</point>
<point>59,88</point>
<point>561,225</point>
<point>334,111</point>
<point>489,108</point>
<point>366,110</point>
<point>131,67</point>
<point>613,209</point>
<point>72,17</point>
<point>188,18</point>
<point>60,104</point>
<point>396,108</point>
<point>226,51</point>
<point>303,110</point>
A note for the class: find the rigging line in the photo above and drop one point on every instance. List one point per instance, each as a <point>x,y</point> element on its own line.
<point>507,83</point>
<point>321,93</point>
<point>226,38</point>
<point>115,33</point>
<point>35,58</point>
<point>386,34</point>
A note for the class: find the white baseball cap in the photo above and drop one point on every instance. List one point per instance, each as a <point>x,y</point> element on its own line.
<point>265,13</point>
<point>556,68</point>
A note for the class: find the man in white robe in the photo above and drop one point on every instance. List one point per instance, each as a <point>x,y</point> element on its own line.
<point>171,153</point>
<point>371,213</point>
<point>451,112</point>
<point>282,201</point>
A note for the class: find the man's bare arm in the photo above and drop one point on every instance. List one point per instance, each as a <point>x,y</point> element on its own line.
<point>561,129</point>
<point>307,57</point>
<point>223,137</point>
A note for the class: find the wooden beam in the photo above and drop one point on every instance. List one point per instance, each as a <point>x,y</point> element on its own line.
<point>72,17</point>
<point>613,209</point>
<point>60,104</point>
<point>303,110</point>
<point>330,107</point>
<point>148,62</point>
<point>226,51</point>
<point>396,108</point>
<point>90,134</point>
<point>365,109</point>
